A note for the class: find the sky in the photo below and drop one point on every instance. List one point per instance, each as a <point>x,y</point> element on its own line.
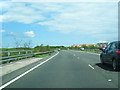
<point>58,23</point>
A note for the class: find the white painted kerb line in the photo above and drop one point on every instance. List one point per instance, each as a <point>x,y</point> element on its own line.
<point>8,83</point>
<point>91,66</point>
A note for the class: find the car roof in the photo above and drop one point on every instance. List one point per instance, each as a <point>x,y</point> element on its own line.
<point>115,42</point>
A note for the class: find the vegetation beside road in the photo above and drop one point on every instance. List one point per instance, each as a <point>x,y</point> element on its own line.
<point>44,55</point>
<point>44,48</point>
<point>40,48</point>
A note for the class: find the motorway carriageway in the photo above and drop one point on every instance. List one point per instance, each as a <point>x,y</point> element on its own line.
<point>65,69</point>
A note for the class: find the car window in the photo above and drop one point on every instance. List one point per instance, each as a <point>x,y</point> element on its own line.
<point>118,45</point>
<point>108,47</point>
<point>113,46</point>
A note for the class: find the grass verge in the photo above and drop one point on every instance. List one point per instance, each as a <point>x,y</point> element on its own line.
<point>44,55</point>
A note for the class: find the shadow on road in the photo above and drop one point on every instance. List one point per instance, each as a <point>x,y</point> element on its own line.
<point>106,67</point>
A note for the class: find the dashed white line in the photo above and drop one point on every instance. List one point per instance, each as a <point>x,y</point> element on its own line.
<point>91,66</point>
<point>74,54</point>
<point>8,83</point>
<point>109,80</point>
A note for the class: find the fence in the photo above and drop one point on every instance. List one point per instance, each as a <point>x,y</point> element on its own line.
<point>7,56</point>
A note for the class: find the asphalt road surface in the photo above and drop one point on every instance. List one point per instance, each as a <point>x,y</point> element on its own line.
<point>68,69</point>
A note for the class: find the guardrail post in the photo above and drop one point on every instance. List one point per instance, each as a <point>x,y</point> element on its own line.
<point>26,52</point>
<point>19,52</point>
<point>8,56</point>
<point>31,53</point>
<point>8,53</point>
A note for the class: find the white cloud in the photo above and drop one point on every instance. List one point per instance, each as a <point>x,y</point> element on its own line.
<point>83,18</point>
<point>12,34</point>
<point>2,31</point>
<point>29,34</point>
<point>20,12</point>
<point>93,19</point>
<point>102,41</point>
<point>5,6</point>
<point>1,18</point>
<point>65,0</point>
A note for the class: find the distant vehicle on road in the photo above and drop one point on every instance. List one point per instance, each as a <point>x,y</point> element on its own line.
<point>82,49</point>
<point>111,54</point>
<point>58,49</point>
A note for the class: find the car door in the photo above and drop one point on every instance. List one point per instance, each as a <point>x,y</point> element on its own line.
<point>106,53</point>
<point>110,52</point>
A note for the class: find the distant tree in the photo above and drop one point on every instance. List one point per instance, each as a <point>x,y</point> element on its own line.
<point>84,46</point>
<point>91,47</point>
<point>27,44</point>
<point>22,44</point>
<point>48,47</point>
<point>17,42</point>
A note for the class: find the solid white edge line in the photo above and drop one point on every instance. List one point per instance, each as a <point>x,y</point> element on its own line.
<point>91,66</point>
<point>8,83</point>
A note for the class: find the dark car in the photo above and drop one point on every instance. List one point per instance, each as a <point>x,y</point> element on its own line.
<point>111,54</point>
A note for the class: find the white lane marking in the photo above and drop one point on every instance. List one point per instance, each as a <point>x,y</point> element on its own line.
<point>8,83</point>
<point>109,80</point>
<point>74,54</point>
<point>78,57</point>
<point>91,66</point>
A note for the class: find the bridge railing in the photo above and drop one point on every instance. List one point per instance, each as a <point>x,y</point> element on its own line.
<point>7,57</point>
